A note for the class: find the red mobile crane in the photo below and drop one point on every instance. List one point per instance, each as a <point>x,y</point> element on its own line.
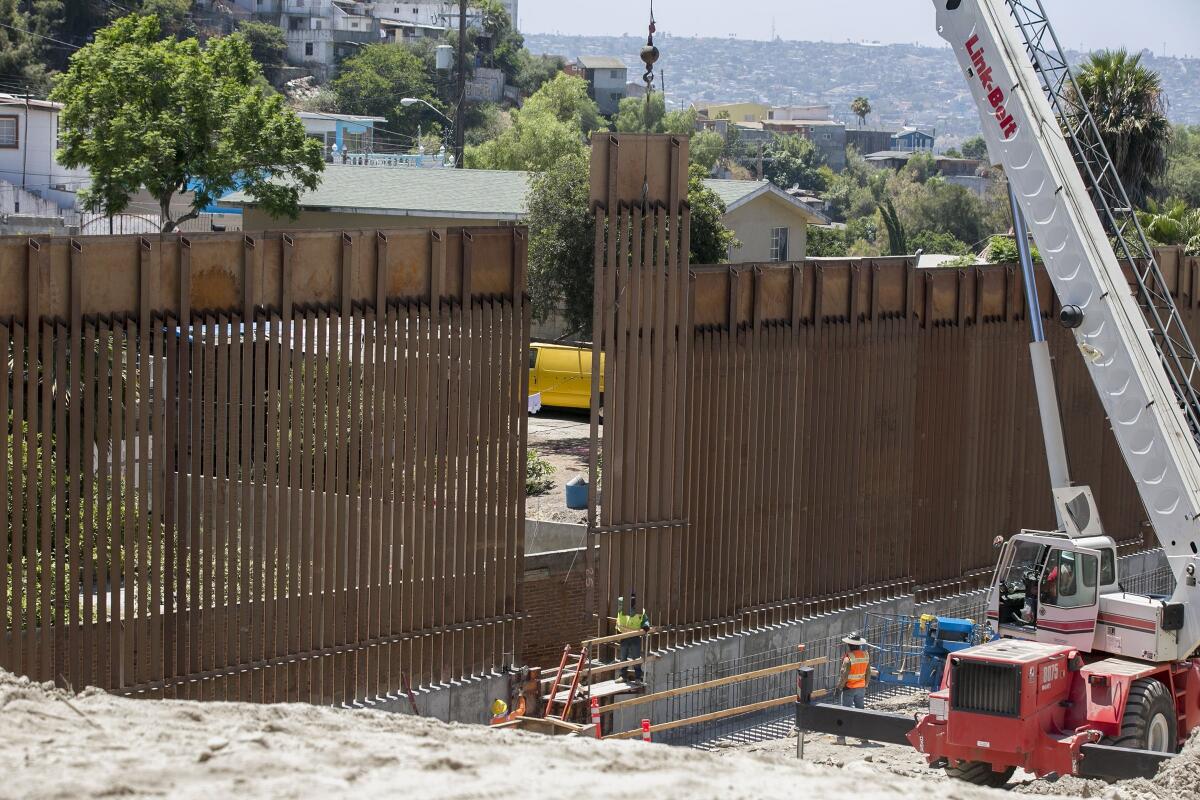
<point>1086,677</point>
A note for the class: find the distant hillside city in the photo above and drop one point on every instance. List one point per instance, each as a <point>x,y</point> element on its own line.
<point>906,84</point>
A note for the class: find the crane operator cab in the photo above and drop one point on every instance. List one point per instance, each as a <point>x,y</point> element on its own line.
<point>1047,585</point>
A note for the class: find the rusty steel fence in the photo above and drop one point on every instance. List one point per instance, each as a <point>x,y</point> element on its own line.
<point>268,468</point>
<point>787,439</point>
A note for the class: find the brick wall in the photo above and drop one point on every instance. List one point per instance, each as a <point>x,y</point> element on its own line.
<point>554,602</point>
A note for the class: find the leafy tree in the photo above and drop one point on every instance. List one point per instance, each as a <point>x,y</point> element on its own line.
<point>550,126</point>
<point>172,117</point>
<point>921,166</point>
<point>1002,249</point>
<point>953,153</point>
<point>975,147</point>
<point>939,207</point>
<point>502,44</point>
<point>561,236</point>
<point>794,161</point>
<point>534,71</point>
<point>937,242</point>
<point>20,53</point>
<point>374,81</point>
<point>705,149</point>
<point>640,114</point>
<point>861,108</point>
<point>1129,106</point>
<point>560,242</point>
<point>566,98</point>
<point>1183,170</point>
<point>174,16</point>
<point>267,47</point>
<point>826,242</point>
<point>711,240</point>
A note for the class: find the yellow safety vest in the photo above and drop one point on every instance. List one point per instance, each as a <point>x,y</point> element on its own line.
<point>859,664</point>
<point>630,622</point>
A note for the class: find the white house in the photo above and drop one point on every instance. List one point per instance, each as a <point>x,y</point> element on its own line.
<point>28,141</point>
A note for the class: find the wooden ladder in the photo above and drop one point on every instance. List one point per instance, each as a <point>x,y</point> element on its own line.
<point>570,667</point>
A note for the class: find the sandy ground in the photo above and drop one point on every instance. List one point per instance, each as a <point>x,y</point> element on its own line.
<point>92,745</point>
<point>561,437</point>
<point>1179,780</point>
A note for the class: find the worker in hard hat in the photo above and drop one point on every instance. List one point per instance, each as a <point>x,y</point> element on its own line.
<point>499,711</point>
<point>628,621</point>
<point>855,674</point>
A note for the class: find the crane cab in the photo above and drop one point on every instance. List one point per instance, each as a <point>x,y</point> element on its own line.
<point>1062,587</point>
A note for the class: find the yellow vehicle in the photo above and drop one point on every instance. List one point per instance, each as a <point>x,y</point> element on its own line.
<point>562,374</point>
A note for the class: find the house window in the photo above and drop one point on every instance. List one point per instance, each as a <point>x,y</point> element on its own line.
<point>353,142</point>
<point>614,74</point>
<point>308,48</point>
<point>8,132</point>
<point>827,136</point>
<point>354,25</point>
<point>779,244</point>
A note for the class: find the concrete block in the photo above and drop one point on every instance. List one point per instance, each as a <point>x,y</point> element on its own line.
<point>544,537</point>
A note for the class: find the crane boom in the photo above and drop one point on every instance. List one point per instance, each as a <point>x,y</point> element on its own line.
<point>1137,352</point>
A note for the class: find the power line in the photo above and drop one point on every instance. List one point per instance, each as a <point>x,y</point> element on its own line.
<point>40,36</point>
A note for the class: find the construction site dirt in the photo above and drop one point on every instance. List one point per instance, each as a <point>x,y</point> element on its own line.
<point>90,744</point>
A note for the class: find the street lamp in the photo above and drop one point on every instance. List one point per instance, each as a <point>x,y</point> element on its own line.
<point>409,101</point>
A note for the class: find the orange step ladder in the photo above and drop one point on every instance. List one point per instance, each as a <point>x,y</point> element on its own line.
<point>571,666</point>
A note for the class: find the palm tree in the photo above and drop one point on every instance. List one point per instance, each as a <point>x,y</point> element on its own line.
<point>861,108</point>
<point>1172,223</point>
<point>1129,106</point>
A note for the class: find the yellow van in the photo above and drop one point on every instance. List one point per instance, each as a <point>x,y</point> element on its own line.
<point>562,374</point>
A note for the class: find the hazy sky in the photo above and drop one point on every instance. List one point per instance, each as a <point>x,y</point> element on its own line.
<point>1083,24</point>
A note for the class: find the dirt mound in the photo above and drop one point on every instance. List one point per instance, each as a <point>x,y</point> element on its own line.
<point>93,744</point>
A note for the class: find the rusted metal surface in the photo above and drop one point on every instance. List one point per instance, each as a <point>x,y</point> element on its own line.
<point>268,468</point>
<point>843,430</point>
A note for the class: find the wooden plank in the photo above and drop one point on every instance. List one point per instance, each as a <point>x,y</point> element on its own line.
<point>715,715</point>
<point>695,687</point>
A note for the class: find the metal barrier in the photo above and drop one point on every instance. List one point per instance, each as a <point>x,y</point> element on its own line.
<point>267,468</point>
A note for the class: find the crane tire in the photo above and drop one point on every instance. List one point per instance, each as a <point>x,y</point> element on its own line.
<point>1149,721</point>
<point>979,773</point>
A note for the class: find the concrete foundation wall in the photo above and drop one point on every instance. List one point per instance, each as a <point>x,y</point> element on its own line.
<point>464,701</point>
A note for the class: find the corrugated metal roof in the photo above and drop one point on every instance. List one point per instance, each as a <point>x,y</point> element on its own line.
<point>474,193</point>
<point>601,62</point>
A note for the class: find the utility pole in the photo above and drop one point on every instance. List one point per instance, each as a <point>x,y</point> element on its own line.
<point>460,112</point>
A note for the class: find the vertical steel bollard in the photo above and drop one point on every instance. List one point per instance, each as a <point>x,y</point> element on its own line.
<point>645,730</point>
<point>596,715</point>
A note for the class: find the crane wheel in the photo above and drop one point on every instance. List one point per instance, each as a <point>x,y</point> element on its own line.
<point>979,773</point>
<point>1149,721</point>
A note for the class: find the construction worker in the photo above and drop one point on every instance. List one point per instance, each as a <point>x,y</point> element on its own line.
<point>855,673</point>
<point>499,711</point>
<point>628,622</point>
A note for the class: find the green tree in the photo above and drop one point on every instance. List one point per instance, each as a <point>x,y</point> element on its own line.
<point>640,114</point>
<point>897,238</point>
<point>1127,101</point>
<point>561,237</point>
<point>534,71</point>
<point>1183,165</point>
<point>794,161</point>
<point>711,240</point>
<point>705,149</point>
<point>861,108</point>
<point>975,147</point>
<point>826,242</point>
<point>267,47</point>
<point>20,53</point>
<point>1172,223</point>
<point>1002,249</point>
<point>937,242</point>
<point>500,44</point>
<point>550,126</point>
<point>921,166</point>
<point>560,242</point>
<point>167,115</point>
<point>374,81</point>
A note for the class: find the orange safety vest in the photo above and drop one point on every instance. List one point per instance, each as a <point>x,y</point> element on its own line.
<point>859,664</point>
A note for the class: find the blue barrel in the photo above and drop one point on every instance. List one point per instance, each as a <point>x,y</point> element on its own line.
<point>577,492</point>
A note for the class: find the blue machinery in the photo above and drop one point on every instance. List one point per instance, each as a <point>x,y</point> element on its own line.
<point>911,651</point>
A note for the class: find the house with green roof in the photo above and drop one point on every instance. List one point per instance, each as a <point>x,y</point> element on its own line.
<point>769,224</point>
